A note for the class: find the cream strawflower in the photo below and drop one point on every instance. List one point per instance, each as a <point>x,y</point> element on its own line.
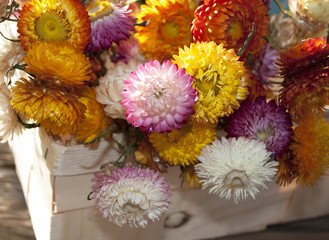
<point>110,87</point>
<point>235,167</point>
<point>288,31</point>
<point>314,10</point>
<point>11,53</point>
<point>306,25</point>
<point>131,195</point>
<point>9,124</point>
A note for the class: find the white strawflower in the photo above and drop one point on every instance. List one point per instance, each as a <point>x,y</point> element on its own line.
<point>9,124</point>
<point>11,53</point>
<point>131,195</point>
<point>235,167</point>
<point>111,85</point>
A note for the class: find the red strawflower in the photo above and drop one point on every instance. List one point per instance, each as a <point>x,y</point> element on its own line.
<point>230,22</point>
<point>305,70</point>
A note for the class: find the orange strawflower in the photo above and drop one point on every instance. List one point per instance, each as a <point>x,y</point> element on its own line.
<point>310,148</point>
<point>55,108</point>
<point>146,154</point>
<point>305,70</point>
<point>257,89</point>
<point>188,175</point>
<point>230,21</point>
<point>45,20</point>
<point>286,170</point>
<point>168,29</point>
<point>58,60</point>
<point>95,120</point>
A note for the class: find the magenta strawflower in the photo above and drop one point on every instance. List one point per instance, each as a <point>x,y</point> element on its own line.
<point>264,121</point>
<point>109,23</point>
<point>127,50</point>
<point>131,195</point>
<point>159,98</point>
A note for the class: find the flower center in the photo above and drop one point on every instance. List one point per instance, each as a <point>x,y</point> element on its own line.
<point>158,96</point>
<point>52,25</point>
<point>169,30</point>
<point>236,179</point>
<point>207,80</point>
<point>99,10</point>
<point>131,208</point>
<point>264,134</point>
<point>176,136</point>
<point>235,31</point>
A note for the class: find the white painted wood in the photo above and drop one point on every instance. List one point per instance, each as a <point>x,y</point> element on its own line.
<point>77,159</point>
<point>59,208</point>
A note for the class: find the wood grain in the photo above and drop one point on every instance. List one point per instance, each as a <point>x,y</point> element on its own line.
<point>15,223</point>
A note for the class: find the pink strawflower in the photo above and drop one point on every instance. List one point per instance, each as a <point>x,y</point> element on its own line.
<point>264,121</point>
<point>159,98</point>
<point>112,24</point>
<point>131,195</point>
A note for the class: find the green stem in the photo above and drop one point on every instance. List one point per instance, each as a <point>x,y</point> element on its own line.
<point>9,19</point>
<point>89,197</point>
<point>288,13</point>
<point>142,24</point>
<point>246,43</point>
<point>116,141</point>
<point>20,67</point>
<point>102,134</point>
<point>269,83</point>
<point>27,125</point>
<point>114,163</point>
<point>101,61</point>
<point>12,40</point>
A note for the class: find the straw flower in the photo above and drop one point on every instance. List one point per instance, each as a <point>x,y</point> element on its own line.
<point>9,125</point>
<point>11,53</point>
<point>306,74</point>
<point>168,29</point>
<point>47,20</point>
<point>314,10</point>
<point>229,22</point>
<point>264,121</point>
<point>181,147</point>
<point>131,196</point>
<point>58,60</point>
<point>110,87</point>
<point>310,148</point>
<point>220,78</point>
<point>158,98</point>
<point>94,121</point>
<point>55,108</point>
<point>110,23</point>
<point>235,168</point>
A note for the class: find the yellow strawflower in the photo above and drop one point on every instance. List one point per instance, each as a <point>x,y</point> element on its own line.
<point>219,77</point>
<point>181,147</point>
<point>54,108</point>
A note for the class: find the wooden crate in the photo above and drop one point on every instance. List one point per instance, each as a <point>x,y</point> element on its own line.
<point>56,181</point>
